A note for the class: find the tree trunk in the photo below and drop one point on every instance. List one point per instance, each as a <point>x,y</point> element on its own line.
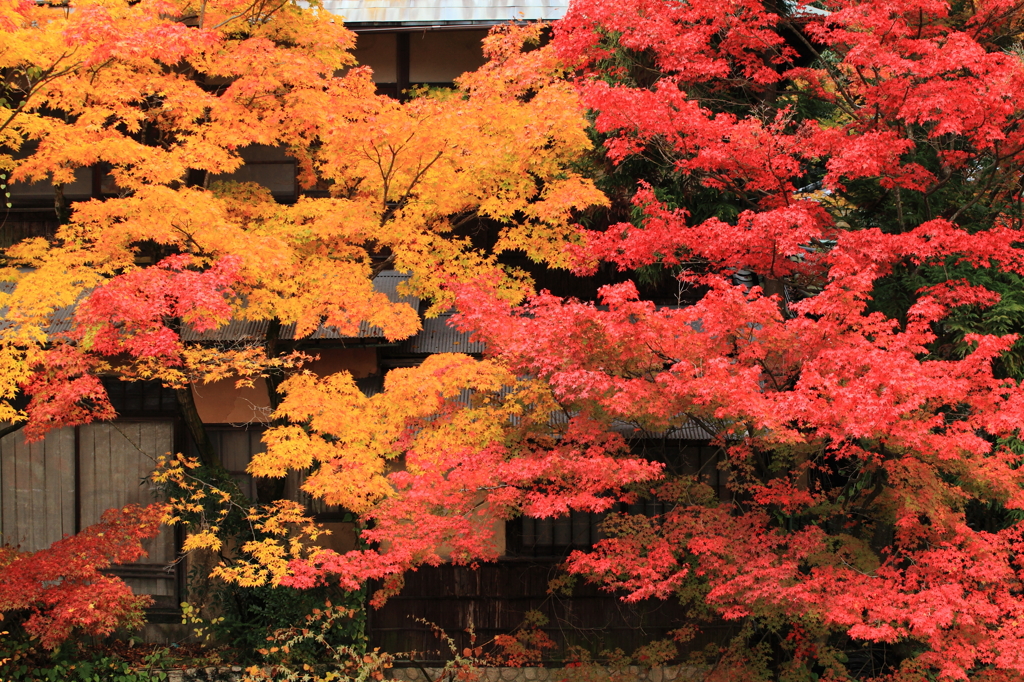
<point>60,205</point>
<point>272,489</point>
<point>190,414</point>
<point>8,429</point>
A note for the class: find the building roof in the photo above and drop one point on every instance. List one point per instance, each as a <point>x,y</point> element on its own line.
<point>62,319</point>
<point>256,330</point>
<point>442,12</point>
<point>439,13</point>
<point>438,336</point>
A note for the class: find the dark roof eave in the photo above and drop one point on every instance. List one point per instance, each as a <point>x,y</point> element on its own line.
<point>412,26</point>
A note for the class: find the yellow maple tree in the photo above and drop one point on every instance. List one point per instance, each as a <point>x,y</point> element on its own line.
<point>166,96</point>
<point>162,99</point>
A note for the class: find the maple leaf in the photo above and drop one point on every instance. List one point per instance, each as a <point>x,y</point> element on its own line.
<point>61,588</point>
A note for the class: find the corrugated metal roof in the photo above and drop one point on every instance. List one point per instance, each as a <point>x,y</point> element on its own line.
<point>250,330</point>
<point>426,12</point>
<point>689,430</point>
<point>60,320</point>
<point>371,385</point>
<point>256,330</point>
<point>438,336</point>
<point>235,330</point>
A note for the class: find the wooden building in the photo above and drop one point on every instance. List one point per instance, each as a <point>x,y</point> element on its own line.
<point>432,42</point>
<point>63,483</point>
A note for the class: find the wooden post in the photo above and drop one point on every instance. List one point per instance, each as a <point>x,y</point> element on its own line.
<point>402,64</point>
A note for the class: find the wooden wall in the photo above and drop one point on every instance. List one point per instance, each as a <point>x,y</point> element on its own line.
<point>37,489</point>
<point>236,447</point>
<point>65,482</point>
<point>493,599</point>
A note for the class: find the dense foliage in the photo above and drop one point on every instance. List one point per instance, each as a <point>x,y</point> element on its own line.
<point>864,161</point>
<point>59,591</point>
<point>862,158</point>
<point>164,96</point>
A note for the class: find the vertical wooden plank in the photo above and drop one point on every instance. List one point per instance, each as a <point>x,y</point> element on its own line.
<point>106,483</point>
<point>164,444</point>
<point>98,480</point>
<point>10,475</point>
<point>86,470</point>
<point>141,444</point>
<point>36,521</point>
<point>93,474</point>
<point>234,450</point>
<point>125,435</point>
<point>151,396</point>
<point>164,436</point>
<point>145,460</point>
<point>142,462</point>
<point>595,526</point>
<point>34,483</point>
<point>101,477</point>
<point>86,473</point>
<point>54,482</point>
<point>39,520</point>
<point>580,528</point>
<point>131,444</point>
<point>153,440</point>
<point>543,533</point>
<point>52,486</point>
<point>9,509</point>
<point>77,501</point>
<point>107,479</point>
<point>3,497</point>
<point>118,460</point>
<point>66,469</point>
<point>256,445</point>
<point>23,491</point>
<point>721,476</point>
<point>135,584</point>
<point>691,460</point>
<point>529,537</point>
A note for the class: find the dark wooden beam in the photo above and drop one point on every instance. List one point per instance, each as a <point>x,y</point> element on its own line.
<point>402,64</point>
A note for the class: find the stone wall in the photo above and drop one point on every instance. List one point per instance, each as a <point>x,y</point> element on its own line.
<point>587,673</point>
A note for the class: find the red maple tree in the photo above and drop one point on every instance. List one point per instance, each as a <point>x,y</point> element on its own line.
<point>60,591</point>
<point>863,160</point>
